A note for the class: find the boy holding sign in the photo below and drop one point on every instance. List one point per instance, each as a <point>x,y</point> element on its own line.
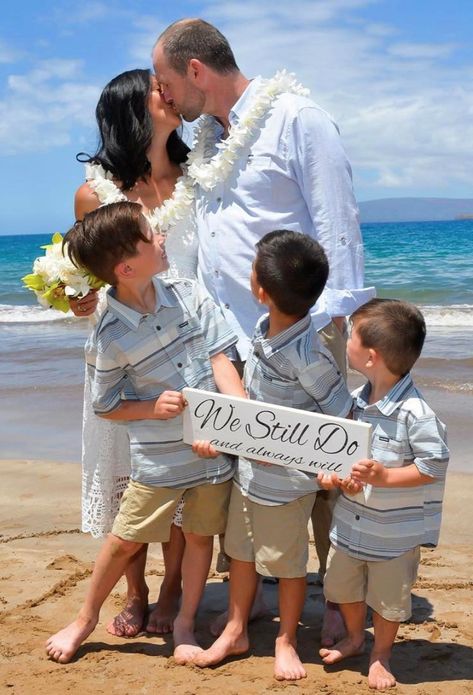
<point>377,534</point>
<point>271,504</point>
<point>155,337</point>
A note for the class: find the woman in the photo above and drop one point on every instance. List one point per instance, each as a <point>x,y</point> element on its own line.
<point>139,158</point>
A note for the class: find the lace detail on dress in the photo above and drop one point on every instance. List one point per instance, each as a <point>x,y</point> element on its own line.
<point>105,444</point>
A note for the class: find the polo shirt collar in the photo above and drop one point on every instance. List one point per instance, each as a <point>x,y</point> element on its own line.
<point>270,346</point>
<point>132,318</point>
<point>392,400</point>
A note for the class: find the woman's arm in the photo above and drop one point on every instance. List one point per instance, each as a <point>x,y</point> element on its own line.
<point>85,201</point>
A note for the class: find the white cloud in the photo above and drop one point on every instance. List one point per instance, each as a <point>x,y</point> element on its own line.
<point>43,106</point>
<point>422,50</point>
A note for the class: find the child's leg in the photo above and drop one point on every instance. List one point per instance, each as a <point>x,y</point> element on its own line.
<point>129,621</point>
<point>380,676</point>
<point>161,618</point>
<point>234,638</point>
<point>345,584</point>
<point>195,569</point>
<point>288,666</point>
<point>354,615</point>
<point>389,595</point>
<point>109,567</point>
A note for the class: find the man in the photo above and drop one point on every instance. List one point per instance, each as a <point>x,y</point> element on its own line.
<point>280,165</point>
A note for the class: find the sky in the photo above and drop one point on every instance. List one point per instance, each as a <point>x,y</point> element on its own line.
<point>396,75</point>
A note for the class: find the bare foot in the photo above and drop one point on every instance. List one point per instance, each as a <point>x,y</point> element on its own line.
<point>186,646</point>
<point>288,666</point>
<point>161,616</point>
<point>380,676</point>
<point>259,609</point>
<point>342,650</point>
<point>63,645</point>
<point>333,627</point>
<point>129,622</point>
<point>228,644</point>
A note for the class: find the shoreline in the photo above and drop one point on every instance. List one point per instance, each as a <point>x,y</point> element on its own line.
<point>46,562</point>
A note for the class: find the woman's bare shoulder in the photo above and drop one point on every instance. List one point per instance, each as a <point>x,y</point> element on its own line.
<point>85,200</point>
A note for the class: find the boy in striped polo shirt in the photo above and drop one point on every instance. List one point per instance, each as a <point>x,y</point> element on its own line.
<point>377,534</point>
<point>271,505</point>
<point>155,336</point>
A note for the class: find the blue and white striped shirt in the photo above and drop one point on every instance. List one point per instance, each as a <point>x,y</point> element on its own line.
<point>152,353</point>
<point>295,370</point>
<point>383,523</point>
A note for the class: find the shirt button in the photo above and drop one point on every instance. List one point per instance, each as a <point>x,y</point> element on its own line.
<point>256,353</point>
<point>227,306</point>
<point>357,517</point>
<point>212,234</point>
<point>219,200</point>
<point>158,328</point>
<point>217,273</point>
<point>179,364</point>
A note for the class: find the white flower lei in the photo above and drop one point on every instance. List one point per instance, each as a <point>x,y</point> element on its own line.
<point>163,217</point>
<point>208,172</point>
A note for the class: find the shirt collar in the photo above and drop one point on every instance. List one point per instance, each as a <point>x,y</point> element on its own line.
<point>391,401</point>
<point>132,318</point>
<point>272,345</point>
<point>244,102</point>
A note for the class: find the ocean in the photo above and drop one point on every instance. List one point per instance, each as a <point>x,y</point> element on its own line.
<point>41,351</point>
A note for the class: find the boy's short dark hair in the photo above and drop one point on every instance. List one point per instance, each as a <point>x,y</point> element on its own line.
<point>394,328</point>
<point>105,237</point>
<point>293,269</point>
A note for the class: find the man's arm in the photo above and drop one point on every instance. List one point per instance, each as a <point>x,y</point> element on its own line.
<point>324,177</point>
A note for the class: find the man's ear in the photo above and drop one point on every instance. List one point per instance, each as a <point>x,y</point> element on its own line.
<point>196,69</point>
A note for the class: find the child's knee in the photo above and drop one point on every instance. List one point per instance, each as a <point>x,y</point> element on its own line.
<point>121,547</point>
<point>197,540</point>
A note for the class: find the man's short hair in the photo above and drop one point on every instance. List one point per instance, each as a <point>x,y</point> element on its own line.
<point>292,269</point>
<point>195,38</point>
<point>394,328</point>
<point>105,237</point>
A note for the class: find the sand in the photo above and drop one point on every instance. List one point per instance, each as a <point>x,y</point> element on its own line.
<point>45,563</point>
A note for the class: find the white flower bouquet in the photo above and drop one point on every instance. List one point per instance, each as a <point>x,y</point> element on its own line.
<point>55,279</point>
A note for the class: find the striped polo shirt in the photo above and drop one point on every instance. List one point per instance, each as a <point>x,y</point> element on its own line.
<point>139,356</point>
<point>291,369</point>
<point>383,523</point>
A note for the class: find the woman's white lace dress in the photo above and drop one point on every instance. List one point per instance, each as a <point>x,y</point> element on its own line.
<point>105,444</point>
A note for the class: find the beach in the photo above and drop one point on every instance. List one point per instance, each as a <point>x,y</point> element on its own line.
<point>46,563</point>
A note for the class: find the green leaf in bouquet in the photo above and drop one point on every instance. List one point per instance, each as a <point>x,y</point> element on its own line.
<point>33,281</point>
<point>56,297</point>
<point>55,239</point>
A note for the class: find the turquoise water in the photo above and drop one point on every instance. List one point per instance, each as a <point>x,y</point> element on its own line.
<point>41,351</point>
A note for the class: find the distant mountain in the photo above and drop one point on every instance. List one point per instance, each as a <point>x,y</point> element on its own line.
<point>415,209</point>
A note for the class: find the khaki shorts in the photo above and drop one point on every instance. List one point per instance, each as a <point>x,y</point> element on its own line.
<point>274,538</point>
<point>146,512</point>
<point>385,586</point>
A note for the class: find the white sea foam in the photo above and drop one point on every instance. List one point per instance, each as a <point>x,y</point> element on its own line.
<point>10,313</point>
<point>454,315</point>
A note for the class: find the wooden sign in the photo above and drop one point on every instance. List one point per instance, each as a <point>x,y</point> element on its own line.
<point>276,434</point>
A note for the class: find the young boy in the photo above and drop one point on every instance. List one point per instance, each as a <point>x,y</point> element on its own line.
<point>157,336</point>
<point>376,534</point>
<point>270,505</point>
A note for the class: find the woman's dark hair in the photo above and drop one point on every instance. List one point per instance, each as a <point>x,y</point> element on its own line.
<point>126,130</point>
